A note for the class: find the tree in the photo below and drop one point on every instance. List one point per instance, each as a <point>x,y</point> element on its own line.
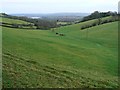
<point>99,21</point>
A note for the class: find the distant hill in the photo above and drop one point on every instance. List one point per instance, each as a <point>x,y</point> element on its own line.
<point>64,17</point>
<point>52,14</point>
<point>97,14</point>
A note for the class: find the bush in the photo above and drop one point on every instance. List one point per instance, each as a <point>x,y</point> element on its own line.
<point>15,26</point>
<point>82,27</point>
<point>94,24</point>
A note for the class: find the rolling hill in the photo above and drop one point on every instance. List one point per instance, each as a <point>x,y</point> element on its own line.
<point>80,58</point>
<point>13,21</point>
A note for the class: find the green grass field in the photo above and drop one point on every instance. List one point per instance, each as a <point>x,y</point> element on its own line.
<point>9,23</point>
<point>13,21</point>
<point>81,58</point>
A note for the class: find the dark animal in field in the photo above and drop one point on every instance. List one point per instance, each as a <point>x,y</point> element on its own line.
<point>61,34</point>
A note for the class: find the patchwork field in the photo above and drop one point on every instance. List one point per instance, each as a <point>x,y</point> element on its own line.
<point>80,58</point>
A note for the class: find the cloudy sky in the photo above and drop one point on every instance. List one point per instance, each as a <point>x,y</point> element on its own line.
<point>55,6</point>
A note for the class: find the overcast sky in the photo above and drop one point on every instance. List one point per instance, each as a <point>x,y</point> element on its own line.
<point>55,6</point>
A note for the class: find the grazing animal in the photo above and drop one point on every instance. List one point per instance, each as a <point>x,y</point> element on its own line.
<point>61,34</point>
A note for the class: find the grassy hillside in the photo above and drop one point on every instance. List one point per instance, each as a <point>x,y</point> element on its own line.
<point>81,58</point>
<point>13,21</point>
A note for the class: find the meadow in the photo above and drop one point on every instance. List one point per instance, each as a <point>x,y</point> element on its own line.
<point>80,58</point>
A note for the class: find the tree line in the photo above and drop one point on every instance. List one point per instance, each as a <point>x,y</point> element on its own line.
<point>39,23</point>
<point>99,22</point>
<point>97,14</point>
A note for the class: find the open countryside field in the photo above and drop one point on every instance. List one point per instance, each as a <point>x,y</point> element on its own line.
<point>13,21</point>
<point>81,58</point>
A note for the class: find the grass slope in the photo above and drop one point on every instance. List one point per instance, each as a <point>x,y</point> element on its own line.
<point>13,21</point>
<point>43,59</point>
<point>9,23</point>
